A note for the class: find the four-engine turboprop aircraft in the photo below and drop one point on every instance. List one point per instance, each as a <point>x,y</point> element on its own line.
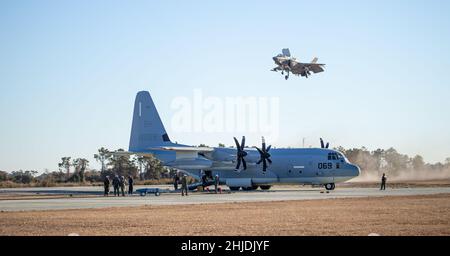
<point>240,167</point>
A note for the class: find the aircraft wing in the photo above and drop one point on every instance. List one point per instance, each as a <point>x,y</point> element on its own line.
<point>185,149</point>
<point>181,152</point>
<point>129,153</point>
<point>315,68</point>
<point>185,152</point>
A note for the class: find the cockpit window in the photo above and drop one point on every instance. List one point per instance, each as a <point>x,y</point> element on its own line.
<point>336,156</point>
<point>333,156</point>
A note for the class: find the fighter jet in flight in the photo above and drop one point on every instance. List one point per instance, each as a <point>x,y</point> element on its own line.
<point>289,64</point>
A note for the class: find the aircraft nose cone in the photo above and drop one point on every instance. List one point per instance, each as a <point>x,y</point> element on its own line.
<point>356,171</point>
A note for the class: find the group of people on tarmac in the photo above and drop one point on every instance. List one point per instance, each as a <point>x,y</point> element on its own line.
<point>184,183</point>
<point>118,183</point>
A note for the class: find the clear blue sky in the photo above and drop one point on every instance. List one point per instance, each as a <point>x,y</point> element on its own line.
<point>69,71</point>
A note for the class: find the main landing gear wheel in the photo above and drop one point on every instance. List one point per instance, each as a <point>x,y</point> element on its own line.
<point>266,187</point>
<point>250,188</point>
<point>234,188</point>
<point>330,186</point>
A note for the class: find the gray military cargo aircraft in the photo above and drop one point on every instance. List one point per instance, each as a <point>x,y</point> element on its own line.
<point>289,64</point>
<point>240,167</point>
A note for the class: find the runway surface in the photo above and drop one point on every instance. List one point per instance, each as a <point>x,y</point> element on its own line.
<point>276,194</point>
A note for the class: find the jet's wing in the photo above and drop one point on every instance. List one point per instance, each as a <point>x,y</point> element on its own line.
<point>315,68</point>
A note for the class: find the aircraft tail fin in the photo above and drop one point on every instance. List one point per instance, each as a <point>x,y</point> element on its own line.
<point>314,61</point>
<point>286,52</point>
<point>147,129</point>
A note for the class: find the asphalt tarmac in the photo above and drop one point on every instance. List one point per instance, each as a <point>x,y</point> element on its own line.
<point>174,198</point>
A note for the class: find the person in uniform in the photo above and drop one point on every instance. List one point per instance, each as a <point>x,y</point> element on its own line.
<point>106,185</point>
<point>122,185</point>
<point>184,188</point>
<point>130,185</point>
<point>116,183</point>
<point>176,180</point>
<point>216,182</point>
<point>383,182</point>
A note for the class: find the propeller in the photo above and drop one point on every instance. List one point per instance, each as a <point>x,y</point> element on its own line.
<point>322,145</point>
<point>264,155</point>
<point>240,153</point>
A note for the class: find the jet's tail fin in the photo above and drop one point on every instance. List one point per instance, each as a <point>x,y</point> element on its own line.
<point>286,52</point>
<point>314,61</point>
<point>147,129</point>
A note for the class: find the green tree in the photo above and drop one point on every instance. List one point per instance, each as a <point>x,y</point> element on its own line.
<point>122,165</point>
<point>80,165</point>
<point>24,177</point>
<point>3,176</point>
<point>221,145</point>
<point>151,167</point>
<point>141,162</point>
<point>102,156</point>
<point>65,165</point>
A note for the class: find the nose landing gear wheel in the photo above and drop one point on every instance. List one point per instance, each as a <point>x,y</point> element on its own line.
<point>330,186</point>
<point>265,187</point>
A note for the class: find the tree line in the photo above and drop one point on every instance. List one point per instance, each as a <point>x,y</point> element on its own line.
<point>76,170</point>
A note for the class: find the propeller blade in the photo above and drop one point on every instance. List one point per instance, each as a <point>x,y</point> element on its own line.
<point>270,161</point>
<point>238,163</point>
<point>321,143</point>
<point>259,150</point>
<point>237,143</point>
<point>260,160</point>
<point>243,143</point>
<point>328,144</point>
<point>264,165</point>
<point>268,148</point>
<point>244,164</point>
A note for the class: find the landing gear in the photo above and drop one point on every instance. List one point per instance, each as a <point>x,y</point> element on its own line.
<point>234,188</point>
<point>265,187</point>
<point>250,188</point>
<point>286,77</point>
<point>330,186</point>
